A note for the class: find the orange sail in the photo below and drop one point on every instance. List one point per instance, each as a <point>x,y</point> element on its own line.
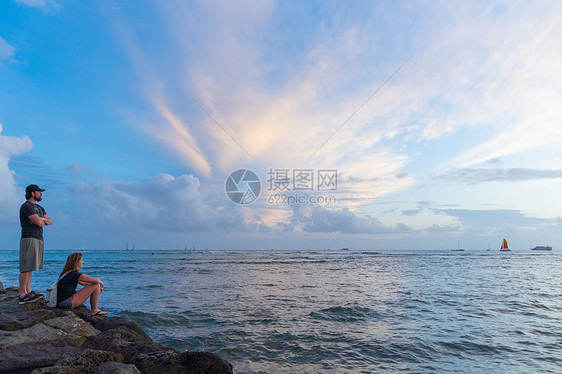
<point>504,246</point>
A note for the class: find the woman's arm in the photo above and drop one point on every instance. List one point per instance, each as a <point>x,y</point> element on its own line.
<point>85,280</point>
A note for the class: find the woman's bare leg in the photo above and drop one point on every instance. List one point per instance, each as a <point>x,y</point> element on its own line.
<point>94,299</point>
<point>93,292</point>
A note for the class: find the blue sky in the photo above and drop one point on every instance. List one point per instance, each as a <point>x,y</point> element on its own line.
<point>442,121</point>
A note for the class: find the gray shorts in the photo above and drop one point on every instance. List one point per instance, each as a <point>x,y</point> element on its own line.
<point>31,254</point>
<point>66,304</point>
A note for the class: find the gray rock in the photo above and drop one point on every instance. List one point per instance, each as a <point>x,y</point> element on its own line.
<point>24,319</point>
<point>62,341</point>
<point>36,333</point>
<point>34,354</point>
<point>43,344</point>
<point>54,370</point>
<point>72,324</point>
<point>81,311</point>
<point>205,362</point>
<point>9,293</point>
<point>117,368</point>
<point>6,297</point>
<point>182,362</point>
<point>109,323</point>
<point>2,290</point>
<point>125,341</point>
<point>85,361</point>
<point>11,305</point>
<point>88,360</point>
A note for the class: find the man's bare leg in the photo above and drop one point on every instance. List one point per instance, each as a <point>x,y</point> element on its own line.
<point>25,283</point>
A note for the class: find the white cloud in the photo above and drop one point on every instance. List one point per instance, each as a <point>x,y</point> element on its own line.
<point>498,71</point>
<point>281,125</point>
<point>492,68</point>
<point>11,196</point>
<point>6,50</point>
<point>78,169</point>
<point>475,176</point>
<point>164,203</point>
<point>323,220</point>
<point>499,222</point>
<point>178,136</point>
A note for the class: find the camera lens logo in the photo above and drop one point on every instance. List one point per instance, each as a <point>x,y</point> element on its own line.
<point>243,186</point>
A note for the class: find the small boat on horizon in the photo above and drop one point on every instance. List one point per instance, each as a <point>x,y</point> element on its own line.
<point>542,248</point>
<point>459,249</point>
<point>504,247</point>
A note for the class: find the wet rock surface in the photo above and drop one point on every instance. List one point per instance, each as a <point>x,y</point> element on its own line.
<point>182,362</point>
<point>37,339</point>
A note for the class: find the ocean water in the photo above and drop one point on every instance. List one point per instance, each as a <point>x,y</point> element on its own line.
<point>337,312</point>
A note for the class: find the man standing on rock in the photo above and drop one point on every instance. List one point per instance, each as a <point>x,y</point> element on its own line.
<point>32,218</point>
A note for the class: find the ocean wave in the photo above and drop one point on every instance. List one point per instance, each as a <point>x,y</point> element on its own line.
<point>464,347</point>
<point>346,314</point>
<point>288,312</point>
<point>151,320</point>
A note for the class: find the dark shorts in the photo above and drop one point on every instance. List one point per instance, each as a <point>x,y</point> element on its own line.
<point>66,304</point>
<point>31,254</point>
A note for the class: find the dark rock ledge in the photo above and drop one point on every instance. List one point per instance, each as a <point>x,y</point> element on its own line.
<point>37,339</point>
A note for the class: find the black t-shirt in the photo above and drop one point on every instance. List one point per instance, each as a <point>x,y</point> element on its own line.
<point>28,229</point>
<point>67,285</point>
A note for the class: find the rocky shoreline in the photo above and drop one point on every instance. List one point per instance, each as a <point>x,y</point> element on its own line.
<point>37,339</point>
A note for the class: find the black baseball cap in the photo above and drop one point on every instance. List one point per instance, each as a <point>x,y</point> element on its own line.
<point>32,188</point>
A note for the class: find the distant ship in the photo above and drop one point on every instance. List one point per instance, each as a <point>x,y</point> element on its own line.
<point>504,247</point>
<point>542,248</point>
<point>459,249</point>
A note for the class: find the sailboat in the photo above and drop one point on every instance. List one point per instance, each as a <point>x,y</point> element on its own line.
<point>459,249</point>
<point>504,247</point>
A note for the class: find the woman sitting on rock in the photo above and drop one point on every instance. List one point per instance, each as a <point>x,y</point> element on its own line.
<point>68,297</point>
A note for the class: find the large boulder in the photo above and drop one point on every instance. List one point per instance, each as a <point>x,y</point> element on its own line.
<point>72,324</point>
<point>85,361</point>
<point>44,343</point>
<point>182,362</point>
<point>24,318</point>
<point>35,354</point>
<point>125,341</point>
<point>104,324</point>
<point>117,368</point>
<point>10,303</point>
<point>37,333</point>
<point>9,294</point>
<point>61,341</point>
<point>80,311</point>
